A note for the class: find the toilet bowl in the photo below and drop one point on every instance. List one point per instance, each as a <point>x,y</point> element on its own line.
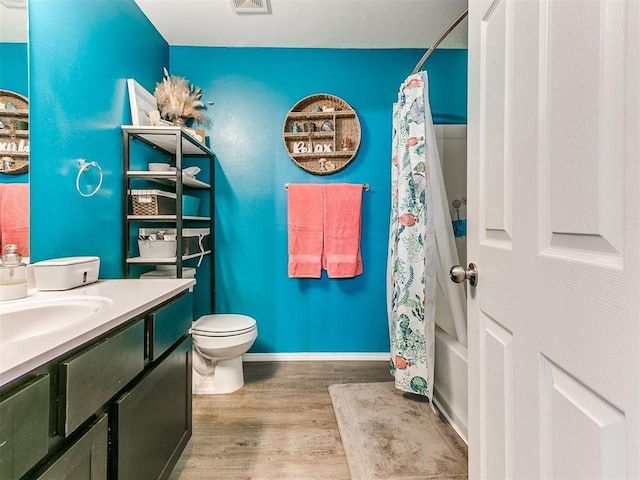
<point>219,341</point>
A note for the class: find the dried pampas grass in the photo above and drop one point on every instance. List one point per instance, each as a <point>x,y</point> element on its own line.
<point>179,101</point>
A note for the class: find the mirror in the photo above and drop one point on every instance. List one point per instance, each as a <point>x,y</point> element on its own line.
<point>14,133</point>
<point>14,84</point>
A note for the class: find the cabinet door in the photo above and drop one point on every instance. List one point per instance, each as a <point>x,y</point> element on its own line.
<point>92,377</point>
<point>86,459</point>
<point>170,323</point>
<point>24,428</point>
<point>152,422</point>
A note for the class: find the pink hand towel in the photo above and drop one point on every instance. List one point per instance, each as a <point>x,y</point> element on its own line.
<point>14,216</point>
<point>342,224</point>
<point>305,219</point>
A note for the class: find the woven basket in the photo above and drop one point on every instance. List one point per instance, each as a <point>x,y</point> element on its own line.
<point>152,203</point>
<point>321,134</point>
<point>159,202</point>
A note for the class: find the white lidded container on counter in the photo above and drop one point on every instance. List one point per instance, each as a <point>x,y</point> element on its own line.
<point>65,273</point>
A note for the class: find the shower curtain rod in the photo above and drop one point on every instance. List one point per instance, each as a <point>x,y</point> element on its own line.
<point>439,40</point>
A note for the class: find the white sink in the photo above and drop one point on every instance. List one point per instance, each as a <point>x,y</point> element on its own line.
<point>23,319</point>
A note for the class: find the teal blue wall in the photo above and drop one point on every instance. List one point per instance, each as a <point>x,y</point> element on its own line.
<point>14,76</point>
<point>81,53</point>
<point>253,89</point>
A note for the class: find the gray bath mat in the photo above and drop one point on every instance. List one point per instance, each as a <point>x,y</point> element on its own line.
<point>388,434</point>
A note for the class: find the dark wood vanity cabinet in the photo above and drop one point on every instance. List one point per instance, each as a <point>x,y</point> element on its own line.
<point>83,459</point>
<point>24,426</point>
<point>119,407</point>
<point>151,423</point>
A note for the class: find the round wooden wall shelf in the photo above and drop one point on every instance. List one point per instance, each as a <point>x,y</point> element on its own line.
<point>321,134</point>
<point>14,133</point>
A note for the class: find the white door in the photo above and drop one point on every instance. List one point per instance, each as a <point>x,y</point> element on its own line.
<point>554,228</point>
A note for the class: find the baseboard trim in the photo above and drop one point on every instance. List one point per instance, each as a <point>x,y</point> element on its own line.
<point>454,424</point>
<point>316,357</point>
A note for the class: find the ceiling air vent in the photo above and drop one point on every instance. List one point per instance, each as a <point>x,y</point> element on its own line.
<point>250,6</point>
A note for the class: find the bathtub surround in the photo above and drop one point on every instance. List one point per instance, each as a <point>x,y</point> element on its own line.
<point>450,385</point>
<point>450,366</point>
<point>390,434</point>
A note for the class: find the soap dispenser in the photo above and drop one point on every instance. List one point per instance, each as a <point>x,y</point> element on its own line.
<point>13,274</point>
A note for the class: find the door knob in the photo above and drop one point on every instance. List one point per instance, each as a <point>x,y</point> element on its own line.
<point>459,274</point>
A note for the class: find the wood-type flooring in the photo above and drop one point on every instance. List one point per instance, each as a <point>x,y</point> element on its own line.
<point>280,425</point>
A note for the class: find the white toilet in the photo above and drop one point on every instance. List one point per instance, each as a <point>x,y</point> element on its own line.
<point>219,341</point>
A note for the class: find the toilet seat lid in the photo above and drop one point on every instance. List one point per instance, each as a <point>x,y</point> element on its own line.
<point>223,324</point>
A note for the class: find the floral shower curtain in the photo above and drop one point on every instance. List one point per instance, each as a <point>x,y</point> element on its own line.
<point>412,262</point>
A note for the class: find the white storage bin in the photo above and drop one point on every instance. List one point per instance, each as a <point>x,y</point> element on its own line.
<point>194,240</point>
<point>157,248</point>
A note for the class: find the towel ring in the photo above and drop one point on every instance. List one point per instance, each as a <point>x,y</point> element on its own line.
<point>84,166</point>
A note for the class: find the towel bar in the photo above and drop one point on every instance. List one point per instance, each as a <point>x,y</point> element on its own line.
<point>365,186</point>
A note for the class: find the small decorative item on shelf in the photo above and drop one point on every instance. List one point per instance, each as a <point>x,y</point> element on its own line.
<point>310,127</point>
<point>180,102</point>
<point>325,165</point>
<point>346,144</point>
<point>5,163</point>
<point>327,126</point>
<point>296,128</point>
<point>154,118</point>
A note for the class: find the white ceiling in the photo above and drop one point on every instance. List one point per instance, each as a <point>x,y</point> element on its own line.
<point>13,24</point>
<point>291,23</point>
<point>309,23</point>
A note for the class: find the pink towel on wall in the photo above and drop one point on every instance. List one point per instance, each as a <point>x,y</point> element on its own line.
<point>14,215</point>
<point>342,225</point>
<point>305,225</point>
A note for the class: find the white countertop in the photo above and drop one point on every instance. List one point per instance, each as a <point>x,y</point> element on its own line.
<point>130,298</point>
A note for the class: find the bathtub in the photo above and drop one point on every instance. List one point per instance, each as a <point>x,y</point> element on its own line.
<point>450,392</point>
